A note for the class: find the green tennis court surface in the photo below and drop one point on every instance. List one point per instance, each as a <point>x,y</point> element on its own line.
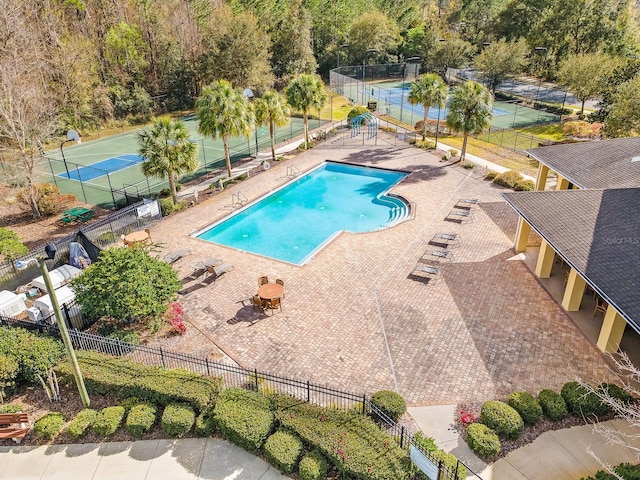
<point>99,171</point>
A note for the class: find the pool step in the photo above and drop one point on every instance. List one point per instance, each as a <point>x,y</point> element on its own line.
<point>399,213</point>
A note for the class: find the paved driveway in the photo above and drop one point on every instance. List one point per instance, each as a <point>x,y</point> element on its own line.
<point>356,318</point>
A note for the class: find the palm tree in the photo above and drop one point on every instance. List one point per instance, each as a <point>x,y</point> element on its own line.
<point>223,111</point>
<point>168,151</point>
<point>430,91</point>
<point>469,110</point>
<point>271,109</point>
<point>305,92</point>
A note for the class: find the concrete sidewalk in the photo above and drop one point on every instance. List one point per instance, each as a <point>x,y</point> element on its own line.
<point>554,455</point>
<point>186,459</point>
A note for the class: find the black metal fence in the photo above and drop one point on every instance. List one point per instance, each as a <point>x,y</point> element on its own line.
<point>101,233</point>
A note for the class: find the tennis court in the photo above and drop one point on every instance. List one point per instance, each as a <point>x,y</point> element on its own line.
<point>98,171</point>
<point>392,101</point>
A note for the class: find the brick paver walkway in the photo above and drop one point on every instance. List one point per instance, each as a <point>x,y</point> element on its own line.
<point>356,318</point>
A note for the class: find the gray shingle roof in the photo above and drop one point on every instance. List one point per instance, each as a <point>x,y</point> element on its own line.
<point>597,232</point>
<point>597,164</point>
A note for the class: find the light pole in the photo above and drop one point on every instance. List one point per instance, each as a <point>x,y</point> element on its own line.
<point>344,45</point>
<point>72,136</point>
<point>50,250</point>
<point>249,94</point>
<point>364,65</point>
<point>404,77</point>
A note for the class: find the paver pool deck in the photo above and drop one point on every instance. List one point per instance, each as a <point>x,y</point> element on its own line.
<point>356,318</point>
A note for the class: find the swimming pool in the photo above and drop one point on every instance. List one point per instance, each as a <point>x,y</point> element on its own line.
<point>294,222</point>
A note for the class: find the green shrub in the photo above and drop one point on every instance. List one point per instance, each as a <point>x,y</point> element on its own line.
<point>283,450</point>
<point>108,420</point>
<point>468,165</point>
<point>107,237</point>
<point>355,111</point>
<point>11,408</point>
<point>177,419</point>
<point>527,406</point>
<point>390,403</point>
<point>205,424</point>
<point>624,470</point>
<point>130,402</point>
<point>580,401</point>
<point>490,175</point>
<point>49,425</point>
<point>105,375</point>
<point>112,331</point>
<point>81,423</point>
<point>426,144</point>
<point>553,405</point>
<point>427,443</point>
<point>482,440</point>
<point>313,466</point>
<point>501,418</point>
<point>167,207</point>
<point>140,418</point>
<point>524,186</point>
<point>450,462</point>
<point>8,372</point>
<point>352,442</point>
<point>617,393</point>
<point>33,354</point>
<point>244,417</point>
<point>508,178</point>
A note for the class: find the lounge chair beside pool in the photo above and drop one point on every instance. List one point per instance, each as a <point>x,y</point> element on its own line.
<point>199,268</point>
<point>446,240</point>
<point>439,254</point>
<point>173,257</point>
<point>460,216</point>
<point>431,273</point>
<point>466,203</point>
<point>216,272</point>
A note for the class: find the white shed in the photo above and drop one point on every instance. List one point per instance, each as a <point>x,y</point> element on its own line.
<point>63,294</point>
<point>59,277</point>
<point>11,304</point>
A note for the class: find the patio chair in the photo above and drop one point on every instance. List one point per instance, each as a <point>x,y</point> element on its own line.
<point>281,282</point>
<point>173,257</point>
<point>440,254</point>
<point>258,303</point>
<point>263,280</point>
<point>217,271</point>
<point>273,304</point>
<point>446,240</point>
<point>601,307</point>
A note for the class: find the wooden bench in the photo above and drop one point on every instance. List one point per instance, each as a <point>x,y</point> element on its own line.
<point>14,425</point>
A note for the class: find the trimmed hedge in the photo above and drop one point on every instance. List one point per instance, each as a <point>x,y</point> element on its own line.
<point>106,375</point>
<point>283,450</point>
<point>205,424</point>
<point>553,405</point>
<point>141,418</point>
<point>33,354</point>
<point>482,440</point>
<point>49,425</point>
<point>108,420</point>
<point>354,444</point>
<point>79,426</point>
<point>527,406</point>
<point>501,418</point>
<point>313,466</point>
<point>624,470</point>
<point>524,186</point>
<point>617,393</point>
<point>582,402</point>
<point>244,417</point>
<point>177,420</point>
<point>390,403</point>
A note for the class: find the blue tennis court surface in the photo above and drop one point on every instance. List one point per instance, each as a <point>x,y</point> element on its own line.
<point>100,169</point>
<point>395,96</point>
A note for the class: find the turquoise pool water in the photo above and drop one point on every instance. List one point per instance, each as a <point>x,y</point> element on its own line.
<point>292,223</point>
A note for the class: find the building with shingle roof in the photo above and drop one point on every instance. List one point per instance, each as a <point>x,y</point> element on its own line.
<point>592,223</point>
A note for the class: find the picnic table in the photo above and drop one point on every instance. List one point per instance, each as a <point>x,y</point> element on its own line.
<point>76,214</point>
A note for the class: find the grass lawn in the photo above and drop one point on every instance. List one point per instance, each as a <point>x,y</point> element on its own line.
<point>551,132</point>
<point>493,153</point>
<point>339,105</point>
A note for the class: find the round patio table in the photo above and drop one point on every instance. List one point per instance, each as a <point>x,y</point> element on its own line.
<point>137,237</point>
<point>269,291</point>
